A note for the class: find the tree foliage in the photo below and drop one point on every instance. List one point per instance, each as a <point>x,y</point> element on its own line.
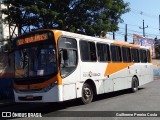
<point>88,17</point>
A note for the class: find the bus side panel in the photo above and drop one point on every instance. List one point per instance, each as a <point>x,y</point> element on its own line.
<point>94,71</point>
<point>54,95</point>
<point>135,70</point>
<point>69,84</point>
<point>145,75</point>
<point>143,71</point>
<point>120,79</point>
<point>108,85</point>
<point>79,86</point>
<point>150,72</point>
<point>100,86</point>
<point>69,91</point>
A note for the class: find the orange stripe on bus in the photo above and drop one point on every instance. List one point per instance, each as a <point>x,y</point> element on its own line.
<point>39,85</point>
<point>121,43</point>
<point>59,82</point>
<point>57,35</point>
<point>20,87</point>
<point>115,67</point>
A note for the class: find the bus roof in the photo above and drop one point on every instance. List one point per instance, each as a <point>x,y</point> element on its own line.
<point>90,38</point>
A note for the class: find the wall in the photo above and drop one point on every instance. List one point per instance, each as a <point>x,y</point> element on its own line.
<point>156,66</point>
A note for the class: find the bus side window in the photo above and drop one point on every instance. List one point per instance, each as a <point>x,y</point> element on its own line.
<point>84,50</point>
<point>148,56</point>
<point>143,55</point>
<point>93,56</point>
<point>88,51</point>
<point>103,52</point>
<point>126,54</point>
<point>135,55</point>
<point>116,53</point>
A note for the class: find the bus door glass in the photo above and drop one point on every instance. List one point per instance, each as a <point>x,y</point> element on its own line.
<point>67,55</point>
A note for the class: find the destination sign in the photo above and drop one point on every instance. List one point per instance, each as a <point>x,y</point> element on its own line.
<point>32,39</point>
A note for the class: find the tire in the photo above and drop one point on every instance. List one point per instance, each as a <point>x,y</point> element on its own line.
<point>87,94</point>
<point>134,87</point>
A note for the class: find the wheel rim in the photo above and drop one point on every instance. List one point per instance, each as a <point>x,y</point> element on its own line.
<point>87,93</point>
<point>135,85</point>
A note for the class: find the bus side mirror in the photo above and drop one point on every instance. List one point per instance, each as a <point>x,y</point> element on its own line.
<point>65,54</point>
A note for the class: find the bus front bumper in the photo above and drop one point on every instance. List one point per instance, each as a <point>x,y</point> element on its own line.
<point>53,95</point>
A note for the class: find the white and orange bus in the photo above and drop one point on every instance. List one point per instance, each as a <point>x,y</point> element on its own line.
<point>55,65</point>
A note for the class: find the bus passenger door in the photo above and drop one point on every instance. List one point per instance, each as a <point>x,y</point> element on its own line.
<point>69,66</point>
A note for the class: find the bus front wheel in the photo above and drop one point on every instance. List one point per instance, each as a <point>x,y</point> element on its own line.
<point>134,87</point>
<point>87,93</point>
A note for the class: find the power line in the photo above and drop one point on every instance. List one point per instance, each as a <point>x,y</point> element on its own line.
<point>132,30</point>
<point>137,32</point>
<point>140,32</point>
<point>144,13</point>
<point>138,26</point>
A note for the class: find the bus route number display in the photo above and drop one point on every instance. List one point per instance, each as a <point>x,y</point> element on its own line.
<point>34,38</point>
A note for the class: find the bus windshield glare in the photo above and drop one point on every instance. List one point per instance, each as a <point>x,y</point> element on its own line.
<point>35,61</point>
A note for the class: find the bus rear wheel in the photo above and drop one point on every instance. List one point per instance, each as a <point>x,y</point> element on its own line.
<point>134,87</point>
<point>87,94</point>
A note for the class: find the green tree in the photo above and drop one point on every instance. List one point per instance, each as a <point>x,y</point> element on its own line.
<point>88,17</point>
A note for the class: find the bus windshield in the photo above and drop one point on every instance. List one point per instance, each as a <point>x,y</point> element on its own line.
<point>35,61</point>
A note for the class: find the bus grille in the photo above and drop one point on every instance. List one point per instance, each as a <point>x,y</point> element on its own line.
<point>33,99</point>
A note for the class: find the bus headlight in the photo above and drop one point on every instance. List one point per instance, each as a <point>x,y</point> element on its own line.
<point>46,89</point>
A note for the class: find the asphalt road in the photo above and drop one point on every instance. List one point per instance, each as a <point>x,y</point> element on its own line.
<point>147,98</point>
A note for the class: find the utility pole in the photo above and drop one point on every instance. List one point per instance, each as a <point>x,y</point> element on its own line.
<point>125,36</point>
<point>159,23</point>
<point>113,35</point>
<point>143,29</point>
